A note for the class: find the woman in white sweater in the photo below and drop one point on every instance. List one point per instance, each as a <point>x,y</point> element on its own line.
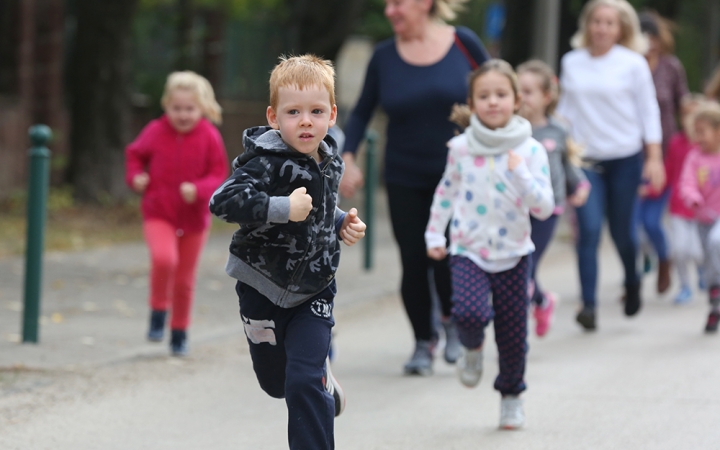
<point>608,97</point>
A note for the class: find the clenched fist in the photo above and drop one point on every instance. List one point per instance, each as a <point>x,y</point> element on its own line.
<point>188,191</point>
<point>300,205</point>
<point>514,160</point>
<point>140,182</point>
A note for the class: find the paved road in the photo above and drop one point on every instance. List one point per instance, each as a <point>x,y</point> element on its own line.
<point>650,382</point>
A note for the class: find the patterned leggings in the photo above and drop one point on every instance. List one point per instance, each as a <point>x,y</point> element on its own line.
<point>472,311</point>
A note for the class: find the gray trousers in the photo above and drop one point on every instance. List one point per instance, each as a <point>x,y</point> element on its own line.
<point>710,238</point>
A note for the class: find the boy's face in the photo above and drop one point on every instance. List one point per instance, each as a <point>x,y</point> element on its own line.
<point>303,117</point>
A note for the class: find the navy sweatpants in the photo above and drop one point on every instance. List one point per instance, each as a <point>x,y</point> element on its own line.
<point>472,311</point>
<point>288,347</point>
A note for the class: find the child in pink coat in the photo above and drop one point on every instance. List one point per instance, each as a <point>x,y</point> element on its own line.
<point>700,189</point>
<point>684,238</point>
<point>176,163</point>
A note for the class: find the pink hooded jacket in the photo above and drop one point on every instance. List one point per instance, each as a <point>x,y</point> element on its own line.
<point>700,185</point>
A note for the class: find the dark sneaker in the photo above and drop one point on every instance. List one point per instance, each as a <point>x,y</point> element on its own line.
<point>712,322</point>
<point>334,389</point>
<point>632,299</point>
<point>157,326</point>
<point>421,360</point>
<point>452,342</point>
<point>586,318</point>
<point>178,343</point>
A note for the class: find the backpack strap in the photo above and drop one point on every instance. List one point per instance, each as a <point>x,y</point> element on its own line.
<point>468,56</point>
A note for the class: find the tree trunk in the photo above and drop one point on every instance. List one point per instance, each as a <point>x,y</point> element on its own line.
<point>100,108</point>
<point>321,26</point>
<point>516,44</point>
<point>185,17</point>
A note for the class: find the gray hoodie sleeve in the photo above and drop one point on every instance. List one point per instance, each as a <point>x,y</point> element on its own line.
<point>243,198</point>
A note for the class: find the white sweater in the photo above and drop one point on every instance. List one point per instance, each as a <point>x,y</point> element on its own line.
<point>489,205</point>
<point>610,102</point>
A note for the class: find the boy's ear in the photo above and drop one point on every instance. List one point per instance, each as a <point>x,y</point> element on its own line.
<point>272,118</point>
<point>333,115</point>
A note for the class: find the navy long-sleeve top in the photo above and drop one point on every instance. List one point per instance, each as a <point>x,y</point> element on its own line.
<point>418,101</point>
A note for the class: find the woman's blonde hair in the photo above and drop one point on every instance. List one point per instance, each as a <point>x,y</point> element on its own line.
<point>712,90</point>
<point>548,81</point>
<point>446,10</point>
<point>198,85</point>
<point>630,35</point>
<point>461,113</point>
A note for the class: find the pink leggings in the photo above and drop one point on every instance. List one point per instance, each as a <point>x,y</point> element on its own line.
<point>174,264</point>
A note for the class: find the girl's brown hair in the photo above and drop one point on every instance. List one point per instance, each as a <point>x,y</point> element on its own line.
<point>548,81</point>
<point>461,113</point>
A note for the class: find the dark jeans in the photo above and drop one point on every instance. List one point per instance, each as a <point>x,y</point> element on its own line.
<point>288,349</point>
<point>541,235</point>
<point>473,292</point>
<point>649,214</point>
<point>614,194</point>
<point>410,213</point>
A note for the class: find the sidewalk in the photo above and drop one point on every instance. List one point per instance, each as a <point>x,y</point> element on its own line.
<point>94,303</point>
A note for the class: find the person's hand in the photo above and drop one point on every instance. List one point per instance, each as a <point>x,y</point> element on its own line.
<point>352,179</point>
<point>579,197</point>
<point>437,253</point>
<point>300,205</point>
<point>352,229</point>
<point>140,182</point>
<point>514,160</point>
<point>188,191</point>
<point>654,173</point>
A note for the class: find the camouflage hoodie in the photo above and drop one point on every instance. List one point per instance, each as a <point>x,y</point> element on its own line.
<point>288,262</point>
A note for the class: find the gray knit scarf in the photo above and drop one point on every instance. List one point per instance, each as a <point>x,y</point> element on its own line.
<point>484,141</point>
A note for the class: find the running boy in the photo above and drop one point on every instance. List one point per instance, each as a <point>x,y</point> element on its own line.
<point>283,195</point>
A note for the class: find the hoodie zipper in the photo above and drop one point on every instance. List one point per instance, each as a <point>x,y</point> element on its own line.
<point>323,175</point>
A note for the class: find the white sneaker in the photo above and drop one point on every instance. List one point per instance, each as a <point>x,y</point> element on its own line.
<point>470,367</point>
<point>512,416</point>
<point>334,389</point>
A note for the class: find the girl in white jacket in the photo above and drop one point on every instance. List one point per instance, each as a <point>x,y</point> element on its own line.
<point>496,176</point>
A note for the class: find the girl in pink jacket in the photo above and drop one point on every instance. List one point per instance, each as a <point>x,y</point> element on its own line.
<point>700,189</point>
<point>176,163</point>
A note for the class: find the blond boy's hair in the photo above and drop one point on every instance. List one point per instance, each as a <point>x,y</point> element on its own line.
<point>630,35</point>
<point>198,85</point>
<point>302,72</point>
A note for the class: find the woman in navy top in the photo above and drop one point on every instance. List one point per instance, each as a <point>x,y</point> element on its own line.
<point>416,78</point>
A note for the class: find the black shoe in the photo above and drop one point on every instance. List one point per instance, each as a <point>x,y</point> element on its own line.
<point>178,343</point>
<point>157,326</point>
<point>334,389</point>
<point>632,299</point>
<point>712,322</point>
<point>586,318</point>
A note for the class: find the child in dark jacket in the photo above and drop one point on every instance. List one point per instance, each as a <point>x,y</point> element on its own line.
<point>283,194</point>
<point>176,163</point>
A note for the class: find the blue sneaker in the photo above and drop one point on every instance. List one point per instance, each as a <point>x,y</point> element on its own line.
<point>684,296</point>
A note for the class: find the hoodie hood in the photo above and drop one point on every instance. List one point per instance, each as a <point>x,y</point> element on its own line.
<point>486,142</point>
<point>265,139</point>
